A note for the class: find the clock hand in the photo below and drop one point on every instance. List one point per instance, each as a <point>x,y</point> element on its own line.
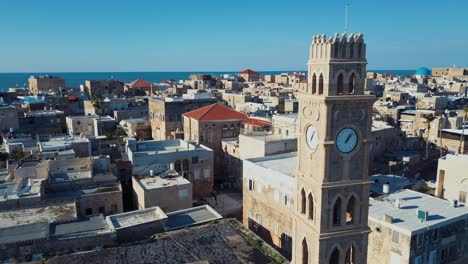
<point>348,138</point>
<point>312,136</point>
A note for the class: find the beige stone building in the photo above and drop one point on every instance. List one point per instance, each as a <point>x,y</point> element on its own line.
<point>269,199</point>
<point>450,72</point>
<point>211,124</point>
<point>331,183</point>
<point>165,114</point>
<point>45,84</point>
<point>412,227</point>
<point>105,88</point>
<point>249,75</point>
<point>137,127</point>
<point>452,179</point>
<point>167,190</point>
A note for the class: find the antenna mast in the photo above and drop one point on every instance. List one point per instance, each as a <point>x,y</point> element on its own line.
<point>346,17</point>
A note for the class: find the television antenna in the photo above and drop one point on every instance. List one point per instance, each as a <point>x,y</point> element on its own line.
<point>346,16</point>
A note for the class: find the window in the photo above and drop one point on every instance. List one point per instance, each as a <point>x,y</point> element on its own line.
<point>340,85</point>
<point>420,240</point>
<point>89,211</point>
<point>335,257</point>
<point>196,174</point>
<point>178,166</point>
<point>251,185</point>
<point>276,196</point>
<point>195,160</point>
<point>435,234</point>
<point>320,91</point>
<point>462,197</point>
<point>276,230</point>
<point>207,173</point>
<point>417,260</point>
<point>350,256</point>
<point>183,193</point>
<point>259,219</point>
<point>102,210</point>
<point>286,200</point>
<point>185,165</point>
<point>250,214</point>
<point>78,122</point>
<point>314,84</point>
<point>352,83</point>
<point>395,237</point>
<point>303,202</point>
<point>259,187</point>
<point>337,212</point>
<point>305,252</point>
<point>311,206</point>
<point>350,211</point>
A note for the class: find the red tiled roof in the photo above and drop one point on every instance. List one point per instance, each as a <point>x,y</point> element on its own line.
<point>257,122</point>
<point>140,83</point>
<point>215,112</point>
<point>249,71</point>
<point>304,81</point>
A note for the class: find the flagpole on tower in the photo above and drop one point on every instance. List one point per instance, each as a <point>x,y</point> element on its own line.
<point>346,16</point>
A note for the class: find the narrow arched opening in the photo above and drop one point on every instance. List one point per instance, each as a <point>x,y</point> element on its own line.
<point>314,84</point>
<point>350,257</point>
<point>335,257</point>
<point>352,83</point>
<point>320,89</point>
<point>339,85</point>
<point>303,202</point>
<point>311,206</point>
<point>337,50</point>
<point>305,252</point>
<point>337,212</point>
<point>351,50</point>
<point>350,211</point>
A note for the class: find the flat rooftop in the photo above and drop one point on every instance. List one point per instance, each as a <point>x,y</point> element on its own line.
<point>224,242</point>
<point>164,180</point>
<point>284,163</point>
<point>153,147</point>
<point>28,232</point>
<point>83,227</point>
<point>441,212</point>
<point>191,216</point>
<point>38,214</point>
<point>137,217</point>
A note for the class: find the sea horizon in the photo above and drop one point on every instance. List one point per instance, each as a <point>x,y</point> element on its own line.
<point>75,79</point>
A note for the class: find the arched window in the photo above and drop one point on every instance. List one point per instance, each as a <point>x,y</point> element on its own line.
<point>350,211</point>
<point>320,91</point>
<point>311,206</point>
<point>185,165</point>
<point>352,83</point>
<point>339,85</point>
<point>335,257</point>
<point>336,50</point>
<point>303,202</point>
<point>351,50</point>
<point>305,252</point>
<point>337,212</point>
<point>343,50</point>
<point>177,166</point>
<point>350,256</point>
<point>359,50</point>
<point>314,84</point>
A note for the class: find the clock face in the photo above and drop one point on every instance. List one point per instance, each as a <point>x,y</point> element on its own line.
<point>347,140</point>
<point>312,137</point>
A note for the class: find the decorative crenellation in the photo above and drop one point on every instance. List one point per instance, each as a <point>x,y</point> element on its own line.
<point>336,47</point>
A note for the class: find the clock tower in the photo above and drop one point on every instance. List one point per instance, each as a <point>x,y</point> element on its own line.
<point>332,184</point>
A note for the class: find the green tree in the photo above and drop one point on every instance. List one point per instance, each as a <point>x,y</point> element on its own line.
<point>17,154</point>
<point>97,102</point>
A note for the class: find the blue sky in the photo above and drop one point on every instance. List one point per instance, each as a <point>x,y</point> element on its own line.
<point>209,35</point>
